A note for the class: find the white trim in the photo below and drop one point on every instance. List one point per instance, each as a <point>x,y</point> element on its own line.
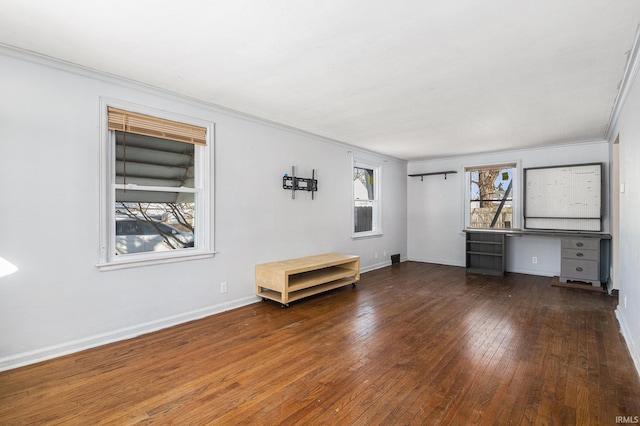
<point>135,187</point>
<point>514,151</point>
<point>204,190</point>
<point>628,78</point>
<point>363,235</point>
<point>31,357</point>
<point>157,258</point>
<point>375,266</point>
<point>377,197</point>
<point>537,272</point>
<point>516,190</point>
<point>631,346</point>
<point>105,226</point>
<point>446,262</point>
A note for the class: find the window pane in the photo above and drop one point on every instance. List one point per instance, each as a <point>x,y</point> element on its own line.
<point>363,216</point>
<point>127,228</point>
<point>363,184</point>
<point>366,206</point>
<point>491,198</point>
<point>154,226</point>
<point>143,160</point>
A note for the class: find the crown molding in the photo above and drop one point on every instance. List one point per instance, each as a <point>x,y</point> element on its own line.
<point>629,77</point>
<point>72,68</point>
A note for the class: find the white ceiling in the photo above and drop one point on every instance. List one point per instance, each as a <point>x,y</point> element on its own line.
<point>413,79</point>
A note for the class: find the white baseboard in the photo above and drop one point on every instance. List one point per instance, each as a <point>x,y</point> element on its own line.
<point>624,330</point>
<point>375,266</point>
<point>50,352</point>
<point>436,261</point>
<point>536,272</point>
<point>516,270</point>
<point>32,357</point>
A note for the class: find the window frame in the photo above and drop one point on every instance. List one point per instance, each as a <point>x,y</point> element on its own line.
<point>516,202</point>
<point>203,164</point>
<point>376,202</point>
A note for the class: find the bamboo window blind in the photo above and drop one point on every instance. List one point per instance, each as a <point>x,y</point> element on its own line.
<point>131,122</point>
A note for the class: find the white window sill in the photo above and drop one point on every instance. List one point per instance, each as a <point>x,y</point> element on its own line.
<point>135,262</point>
<point>366,235</point>
<point>497,230</point>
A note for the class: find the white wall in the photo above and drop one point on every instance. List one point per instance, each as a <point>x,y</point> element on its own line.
<point>435,207</point>
<point>628,131</point>
<point>59,302</point>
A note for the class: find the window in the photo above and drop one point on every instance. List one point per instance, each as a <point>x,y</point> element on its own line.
<point>366,199</point>
<point>490,196</point>
<point>155,197</point>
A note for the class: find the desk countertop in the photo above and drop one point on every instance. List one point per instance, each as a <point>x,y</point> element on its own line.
<point>541,233</point>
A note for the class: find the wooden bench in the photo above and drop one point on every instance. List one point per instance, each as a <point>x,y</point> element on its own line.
<point>293,279</point>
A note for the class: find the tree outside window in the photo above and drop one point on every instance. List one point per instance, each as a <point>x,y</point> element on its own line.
<point>491,197</point>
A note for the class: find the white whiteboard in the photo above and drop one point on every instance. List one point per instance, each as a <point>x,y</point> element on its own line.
<point>564,197</point>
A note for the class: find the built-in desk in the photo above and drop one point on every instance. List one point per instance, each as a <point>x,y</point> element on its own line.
<point>585,255</point>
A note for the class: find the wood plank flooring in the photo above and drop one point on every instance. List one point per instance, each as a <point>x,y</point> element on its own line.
<point>412,344</point>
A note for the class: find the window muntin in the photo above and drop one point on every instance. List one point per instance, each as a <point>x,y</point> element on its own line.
<point>490,196</point>
<point>366,199</point>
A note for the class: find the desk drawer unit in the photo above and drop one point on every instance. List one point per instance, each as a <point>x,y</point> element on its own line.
<point>581,260</point>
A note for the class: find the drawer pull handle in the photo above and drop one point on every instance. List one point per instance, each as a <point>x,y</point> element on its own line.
<point>579,254</point>
<point>579,244</point>
<point>579,269</point>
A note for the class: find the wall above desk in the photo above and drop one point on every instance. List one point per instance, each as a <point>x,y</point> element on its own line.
<point>422,175</point>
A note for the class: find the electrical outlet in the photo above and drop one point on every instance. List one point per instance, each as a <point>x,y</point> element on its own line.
<point>625,301</point>
<point>384,254</point>
<point>375,255</point>
<point>223,287</point>
<point>534,259</point>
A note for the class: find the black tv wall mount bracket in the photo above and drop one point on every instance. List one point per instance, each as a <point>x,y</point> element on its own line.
<point>300,184</point>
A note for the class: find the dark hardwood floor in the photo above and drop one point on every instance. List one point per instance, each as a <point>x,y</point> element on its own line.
<point>415,344</point>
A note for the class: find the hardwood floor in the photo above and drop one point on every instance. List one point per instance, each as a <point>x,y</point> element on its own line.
<point>415,344</point>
